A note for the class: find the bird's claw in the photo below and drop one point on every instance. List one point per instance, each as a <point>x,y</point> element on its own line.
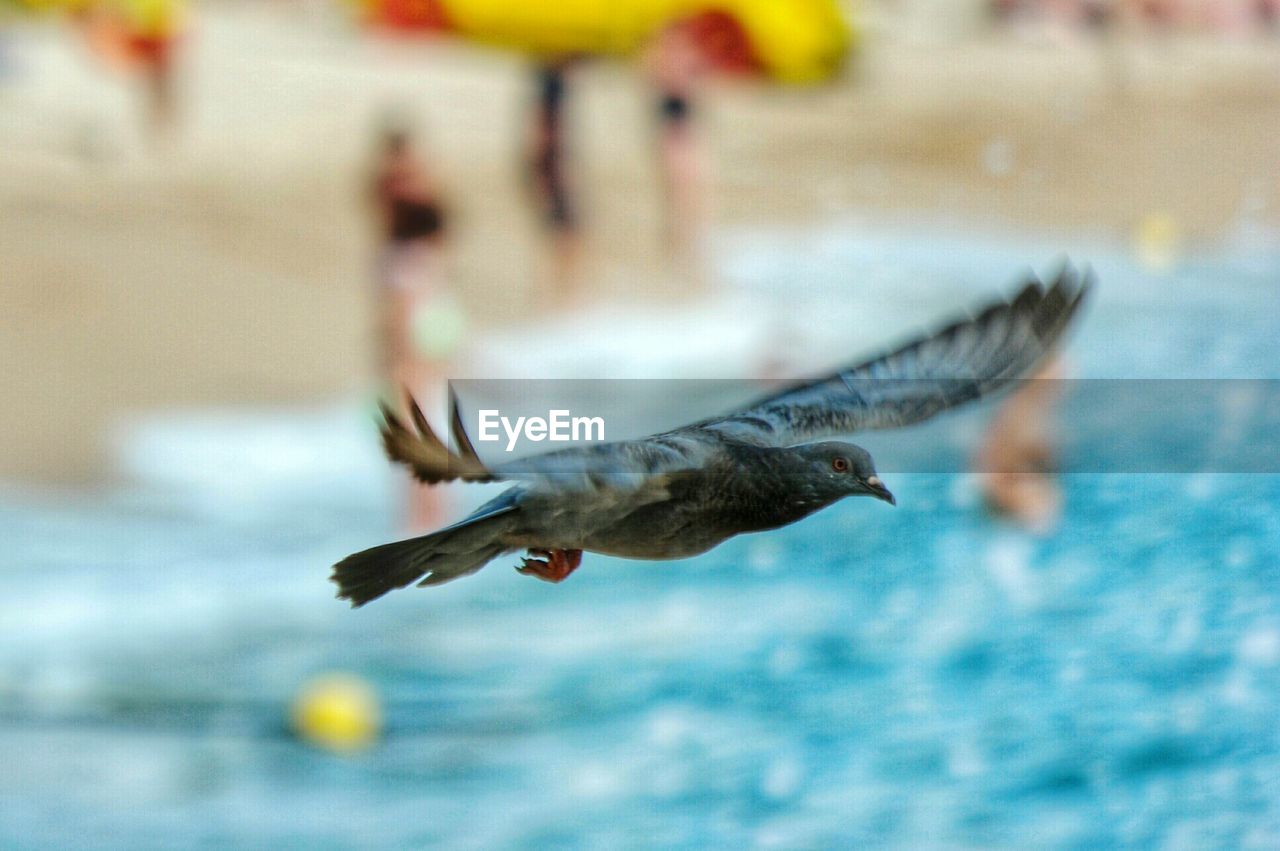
<point>552,566</point>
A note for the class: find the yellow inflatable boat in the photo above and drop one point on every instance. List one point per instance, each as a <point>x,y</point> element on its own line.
<point>792,41</point>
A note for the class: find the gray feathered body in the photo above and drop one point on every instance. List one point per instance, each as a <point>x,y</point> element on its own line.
<point>728,489</point>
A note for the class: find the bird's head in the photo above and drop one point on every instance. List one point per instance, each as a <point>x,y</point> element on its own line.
<point>843,469</point>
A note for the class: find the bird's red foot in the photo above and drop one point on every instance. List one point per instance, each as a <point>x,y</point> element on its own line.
<point>552,566</point>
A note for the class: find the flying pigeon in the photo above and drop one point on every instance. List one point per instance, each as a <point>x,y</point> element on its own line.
<point>682,492</point>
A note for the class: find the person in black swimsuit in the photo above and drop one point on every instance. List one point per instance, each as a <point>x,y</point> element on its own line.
<point>404,190</point>
<point>548,155</point>
<point>413,219</point>
<point>676,64</point>
<point>673,109</point>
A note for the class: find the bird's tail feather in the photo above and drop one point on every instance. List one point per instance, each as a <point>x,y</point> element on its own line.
<point>429,560</point>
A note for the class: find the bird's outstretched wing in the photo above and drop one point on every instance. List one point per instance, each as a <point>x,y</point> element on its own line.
<point>962,361</point>
<point>423,452</point>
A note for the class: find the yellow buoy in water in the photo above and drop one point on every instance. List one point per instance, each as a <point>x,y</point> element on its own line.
<point>339,712</point>
<point>1158,241</point>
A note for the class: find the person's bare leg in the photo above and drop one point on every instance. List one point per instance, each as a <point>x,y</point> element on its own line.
<point>160,92</point>
<point>1015,459</point>
<point>566,268</point>
<point>408,372</point>
<point>680,152</point>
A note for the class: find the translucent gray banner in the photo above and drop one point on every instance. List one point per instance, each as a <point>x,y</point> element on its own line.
<point>1078,425</point>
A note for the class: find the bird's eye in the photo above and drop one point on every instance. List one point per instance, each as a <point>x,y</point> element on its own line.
<point>840,465</point>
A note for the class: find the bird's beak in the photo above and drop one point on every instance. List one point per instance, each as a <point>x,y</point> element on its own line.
<point>876,488</point>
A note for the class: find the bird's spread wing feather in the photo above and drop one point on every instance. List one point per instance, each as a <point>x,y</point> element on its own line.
<point>962,361</point>
<point>621,467</point>
<point>423,452</point>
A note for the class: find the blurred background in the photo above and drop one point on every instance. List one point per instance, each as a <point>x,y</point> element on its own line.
<point>226,228</point>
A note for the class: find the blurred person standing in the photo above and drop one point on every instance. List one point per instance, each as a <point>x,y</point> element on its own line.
<point>141,34</point>
<point>550,180</point>
<point>676,64</point>
<point>677,43</point>
<point>1017,461</point>
<point>415,328</point>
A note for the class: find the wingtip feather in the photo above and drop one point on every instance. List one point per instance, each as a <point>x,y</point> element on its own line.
<point>465,449</point>
<point>424,453</point>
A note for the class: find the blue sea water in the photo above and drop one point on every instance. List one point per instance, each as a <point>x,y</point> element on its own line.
<point>918,677</point>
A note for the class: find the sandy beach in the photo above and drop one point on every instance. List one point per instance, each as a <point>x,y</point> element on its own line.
<point>232,267</point>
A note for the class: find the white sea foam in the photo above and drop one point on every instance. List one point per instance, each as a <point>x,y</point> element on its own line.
<point>246,460</point>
